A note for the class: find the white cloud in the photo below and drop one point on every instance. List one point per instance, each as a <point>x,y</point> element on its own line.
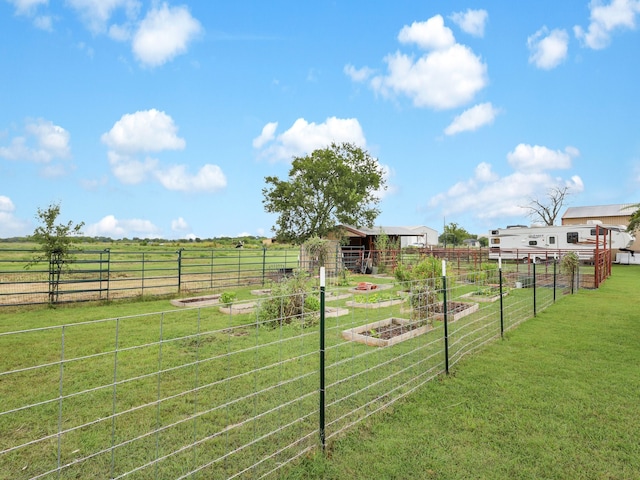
<point>304,137</point>
<point>163,34</point>
<point>488,196</point>
<point>179,225</point>
<point>441,80</point>
<point>447,76</point>
<point>110,226</point>
<point>154,131</point>
<point>535,158</point>
<point>429,35</point>
<point>129,170</point>
<point>43,142</point>
<point>10,226</point>
<point>548,49</point>
<point>268,134</point>
<point>605,19</point>
<point>471,21</point>
<point>144,131</point>
<point>27,7</point>
<point>96,13</point>
<point>358,75</point>
<point>209,178</point>
<point>6,205</point>
<point>472,119</point>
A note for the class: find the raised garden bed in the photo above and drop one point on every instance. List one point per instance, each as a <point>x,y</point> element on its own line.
<point>238,308</point>
<point>335,312</point>
<point>201,301</point>
<point>385,332</point>
<point>382,304</point>
<point>474,296</point>
<point>455,310</point>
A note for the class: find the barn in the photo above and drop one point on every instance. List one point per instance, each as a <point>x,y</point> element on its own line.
<point>618,214</point>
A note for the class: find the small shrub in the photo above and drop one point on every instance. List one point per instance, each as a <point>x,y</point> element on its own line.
<point>290,300</point>
<point>227,298</point>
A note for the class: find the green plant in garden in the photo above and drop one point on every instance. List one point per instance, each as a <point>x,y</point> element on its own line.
<point>318,250</point>
<point>289,302</point>
<point>569,265</point>
<point>227,298</point>
<point>423,280</point>
<point>384,246</point>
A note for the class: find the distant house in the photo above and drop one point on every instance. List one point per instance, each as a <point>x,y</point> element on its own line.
<point>607,214</point>
<point>471,242</point>
<point>418,236</point>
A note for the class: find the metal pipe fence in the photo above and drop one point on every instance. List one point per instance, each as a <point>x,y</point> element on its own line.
<point>241,390</point>
<point>108,274</point>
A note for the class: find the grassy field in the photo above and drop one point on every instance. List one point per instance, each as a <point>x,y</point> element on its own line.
<point>163,393</point>
<point>557,399</point>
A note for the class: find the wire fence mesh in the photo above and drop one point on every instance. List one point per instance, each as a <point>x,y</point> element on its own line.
<point>232,390</point>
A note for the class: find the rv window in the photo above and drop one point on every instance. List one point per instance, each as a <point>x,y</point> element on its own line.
<point>552,240</point>
<point>603,231</point>
<point>495,241</point>
<point>533,242</point>
<point>572,237</point>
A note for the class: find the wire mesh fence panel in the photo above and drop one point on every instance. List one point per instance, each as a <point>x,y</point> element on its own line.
<point>232,390</point>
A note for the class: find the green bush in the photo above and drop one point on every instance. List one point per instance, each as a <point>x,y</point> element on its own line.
<point>290,301</point>
<point>227,298</point>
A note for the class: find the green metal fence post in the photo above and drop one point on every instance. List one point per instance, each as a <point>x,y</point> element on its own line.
<point>501,298</point>
<point>534,287</point>
<point>555,280</point>
<point>179,252</point>
<point>444,303</point>
<point>264,260</point>
<point>322,359</point>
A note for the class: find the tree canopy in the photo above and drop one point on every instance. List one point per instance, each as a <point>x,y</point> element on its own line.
<point>331,186</point>
<point>454,234</point>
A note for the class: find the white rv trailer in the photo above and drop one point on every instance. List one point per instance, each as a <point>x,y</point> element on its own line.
<point>546,242</point>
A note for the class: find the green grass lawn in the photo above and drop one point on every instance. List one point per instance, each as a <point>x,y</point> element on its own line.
<point>557,399</point>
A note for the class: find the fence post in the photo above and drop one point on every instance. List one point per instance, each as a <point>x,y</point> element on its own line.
<point>501,298</point>
<point>179,252</point>
<point>555,281</point>
<point>444,304</point>
<point>264,260</point>
<point>534,286</point>
<point>322,352</point>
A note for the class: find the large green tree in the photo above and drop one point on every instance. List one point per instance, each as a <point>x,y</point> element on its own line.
<point>453,235</point>
<point>331,186</point>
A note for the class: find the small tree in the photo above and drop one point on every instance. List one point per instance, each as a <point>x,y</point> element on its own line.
<point>55,245</point>
<point>547,210</point>
<point>385,246</point>
<point>569,266</point>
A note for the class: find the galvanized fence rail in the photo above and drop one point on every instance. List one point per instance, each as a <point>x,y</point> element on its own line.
<point>236,391</point>
<point>107,274</point>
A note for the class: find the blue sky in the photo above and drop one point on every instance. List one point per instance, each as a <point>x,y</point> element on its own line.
<point>162,119</point>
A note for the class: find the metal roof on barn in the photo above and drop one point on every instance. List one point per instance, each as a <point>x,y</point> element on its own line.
<point>600,211</point>
<point>395,231</point>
